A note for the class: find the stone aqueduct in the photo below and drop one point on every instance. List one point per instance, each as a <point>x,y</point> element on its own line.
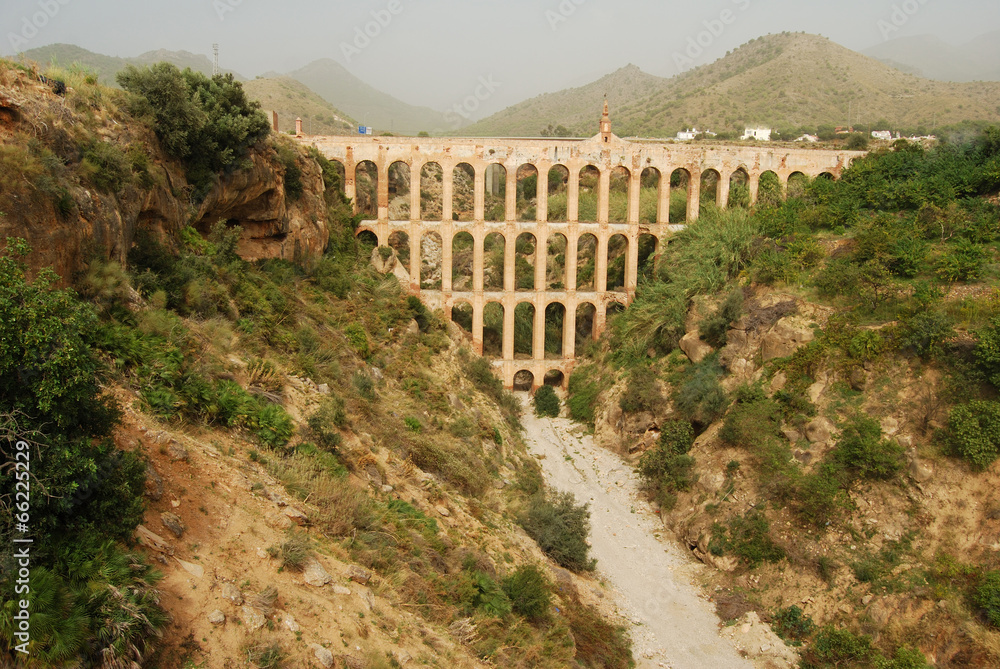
<point>604,152</point>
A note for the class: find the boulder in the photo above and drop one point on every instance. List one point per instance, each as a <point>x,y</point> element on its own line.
<point>820,429</point>
<point>232,593</point>
<point>323,656</point>
<point>154,484</point>
<point>359,574</point>
<point>217,617</point>
<point>694,348</point>
<point>315,575</point>
<point>173,523</point>
<point>253,618</point>
<point>920,471</point>
<point>787,336</point>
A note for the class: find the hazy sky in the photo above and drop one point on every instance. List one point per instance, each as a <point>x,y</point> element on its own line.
<point>434,52</point>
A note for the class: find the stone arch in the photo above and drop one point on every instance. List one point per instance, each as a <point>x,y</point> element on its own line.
<point>527,193</point>
<point>463,195</point>
<point>495,201</point>
<point>558,185</point>
<point>524,261</point>
<point>493,329</point>
<point>462,313</point>
<point>462,252</point>
<point>555,263</point>
<point>555,322</point>
<point>524,381</point>
<point>586,321</point>
<point>399,241</point>
<point>649,250</point>
<point>367,237</point>
<point>770,191</point>
<point>617,261</point>
<point>494,253</point>
<point>366,189</point>
<point>524,330</point>
<point>431,260</point>
<point>554,378</point>
<point>586,263</point>
<point>619,194</point>
<point>431,192</point>
<point>649,196</point>
<point>680,182</point>
<point>590,180</point>
<point>711,187</point>
<point>827,175</point>
<point>739,188</point>
<point>798,184</point>
<point>399,191</point>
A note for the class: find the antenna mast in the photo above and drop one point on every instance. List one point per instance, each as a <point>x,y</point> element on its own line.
<point>215,65</point>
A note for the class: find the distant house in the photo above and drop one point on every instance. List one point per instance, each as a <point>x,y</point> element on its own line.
<point>760,134</point>
<point>884,135</point>
<point>685,135</point>
<point>807,138</point>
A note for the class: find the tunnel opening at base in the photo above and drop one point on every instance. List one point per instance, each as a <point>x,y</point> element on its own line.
<point>554,378</point>
<point>524,381</point>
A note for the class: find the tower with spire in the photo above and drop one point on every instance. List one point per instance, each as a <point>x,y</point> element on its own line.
<point>606,123</point>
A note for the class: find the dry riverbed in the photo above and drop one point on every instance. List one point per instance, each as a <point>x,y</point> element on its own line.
<point>672,623</point>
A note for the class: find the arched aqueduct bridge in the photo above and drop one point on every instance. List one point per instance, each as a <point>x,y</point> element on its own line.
<point>595,162</point>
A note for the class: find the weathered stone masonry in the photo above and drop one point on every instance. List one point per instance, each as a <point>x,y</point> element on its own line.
<point>605,152</point>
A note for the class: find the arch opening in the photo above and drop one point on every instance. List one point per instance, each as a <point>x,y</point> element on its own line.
<point>524,330</point>
<point>399,242</point>
<point>586,263</point>
<point>558,184</point>
<point>617,259</point>
<point>769,192</point>
<point>555,262</point>
<point>679,181</point>
<point>798,185</point>
<point>431,192</point>
<point>586,317</point>
<point>648,252</point>
<point>590,180</point>
<point>739,189</point>
<point>366,189</point>
<point>619,196</point>
<point>494,248</point>
<point>524,381</point>
<point>367,239</point>
<point>461,315</point>
<point>649,196</point>
<point>527,192</point>
<point>496,193</point>
<point>710,188</point>
<point>524,262</point>
<point>461,262</point>
<point>431,261</point>
<point>399,191</point>
<point>493,319</point>
<point>555,319</point>
<point>463,195</point>
<point>554,378</point>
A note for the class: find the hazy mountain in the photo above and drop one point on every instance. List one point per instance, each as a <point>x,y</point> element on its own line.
<point>291,99</point>
<point>930,57</point>
<point>65,55</point>
<point>789,81</point>
<point>370,106</point>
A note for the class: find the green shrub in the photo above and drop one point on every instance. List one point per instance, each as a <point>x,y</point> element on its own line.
<point>288,157</point>
<point>642,392</point>
<point>272,425</point>
<point>987,352</point>
<point>667,469</point>
<point>413,424</point>
<point>325,423</point>
<point>792,625</point>
<point>106,166</point>
<point>974,432</point>
<point>358,339</point>
<point>748,538</point>
<point>529,592</point>
<point>926,332</point>
<point>701,398</point>
<point>714,328</point>
<point>987,597</point>
<point>865,454</point>
<point>585,385</point>
<point>560,527</point>
<point>546,402</point>
<point>834,647</point>
<point>963,261</point>
<point>481,593</point>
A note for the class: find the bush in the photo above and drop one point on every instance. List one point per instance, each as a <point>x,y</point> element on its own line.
<point>667,469</point>
<point>747,537</point>
<point>974,432</point>
<point>546,402</point>
<point>792,625</point>
<point>106,166</point>
<point>326,421</point>
<point>642,392</point>
<point>987,352</point>
<point>701,398</point>
<point>560,527</point>
<point>714,328</point>
<point>864,453</point>
<point>962,262</point>
<point>529,592</point>
<point>585,385</point>
<point>987,597</point>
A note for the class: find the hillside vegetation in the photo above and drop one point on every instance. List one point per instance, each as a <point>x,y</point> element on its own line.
<point>809,391</point>
<point>792,82</point>
<point>251,464</point>
<point>292,99</point>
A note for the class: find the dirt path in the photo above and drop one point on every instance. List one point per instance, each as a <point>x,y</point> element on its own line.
<point>672,625</point>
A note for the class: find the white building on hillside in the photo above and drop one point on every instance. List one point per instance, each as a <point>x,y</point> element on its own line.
<point>807,138</point>
<point>884,135</point>
<point>760,134</point>
<point>686,135</point>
